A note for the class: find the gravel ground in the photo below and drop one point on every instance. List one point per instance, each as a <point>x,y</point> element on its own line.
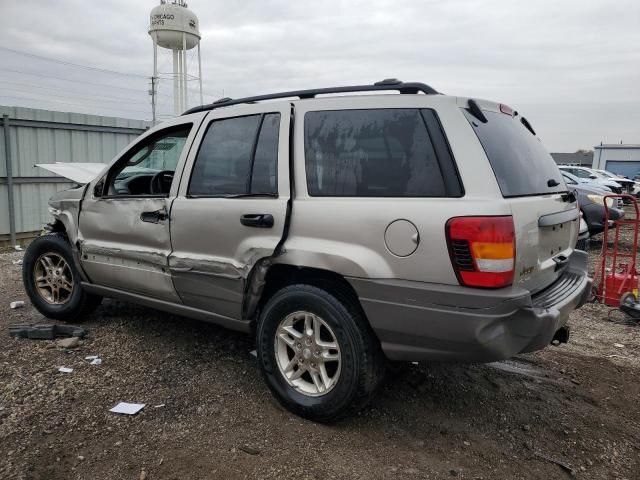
<point>573,408</point>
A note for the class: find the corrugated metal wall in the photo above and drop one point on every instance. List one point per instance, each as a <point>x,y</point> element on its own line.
<point>43,136</point>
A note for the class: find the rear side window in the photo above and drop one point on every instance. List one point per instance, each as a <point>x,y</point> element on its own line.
<point>378,153</point>
<point>237,156</point>
<point>520,162</point>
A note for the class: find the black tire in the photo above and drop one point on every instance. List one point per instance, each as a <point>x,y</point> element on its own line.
<point>582,244</point>
<point>79,304</point>
<point>362,360</point>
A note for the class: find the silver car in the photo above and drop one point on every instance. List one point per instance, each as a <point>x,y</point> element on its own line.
<point>341,231</point>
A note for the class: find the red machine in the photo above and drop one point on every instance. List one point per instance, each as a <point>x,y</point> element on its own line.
<point>616,272</point>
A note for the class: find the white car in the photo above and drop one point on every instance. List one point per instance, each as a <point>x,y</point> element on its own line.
<point>588,173</point>
<point>629,185</point>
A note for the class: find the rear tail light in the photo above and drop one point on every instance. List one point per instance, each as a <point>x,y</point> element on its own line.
<point>482,250</point>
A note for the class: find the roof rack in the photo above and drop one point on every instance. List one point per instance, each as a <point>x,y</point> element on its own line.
<point>385,85</point>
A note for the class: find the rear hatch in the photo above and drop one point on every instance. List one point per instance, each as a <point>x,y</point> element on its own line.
<point>545,215</point>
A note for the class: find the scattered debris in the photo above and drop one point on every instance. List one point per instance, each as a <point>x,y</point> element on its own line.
<point>17,262</point>
<point>254,353</point>
<point>618,345</point>
<point>127,408</point>
<point>159,406</point>
<point>80,457</point>
<point>16,304</point>
<point>561,464</point>
<point>45,331</point>
<point>94,360</point>
<point>143,475</point>
<point>72,342</point>
<point>249,450</point>
<point>18,248</point>
<point>65,370</point>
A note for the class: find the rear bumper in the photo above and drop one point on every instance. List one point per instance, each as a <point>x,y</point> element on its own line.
<point>419,321</point>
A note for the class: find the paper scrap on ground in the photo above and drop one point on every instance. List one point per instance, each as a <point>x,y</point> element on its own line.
<point>127,408</point>
<point>18,248</point>
<point>17,304</point>
<point>618,345</point>
<point>253,353</point>
<point>94,360</point>
<point>159,406</point>
<point>17,262</point>
<point>65,370</point>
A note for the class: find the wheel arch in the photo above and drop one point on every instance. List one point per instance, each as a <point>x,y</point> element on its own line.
<point>267,278</point>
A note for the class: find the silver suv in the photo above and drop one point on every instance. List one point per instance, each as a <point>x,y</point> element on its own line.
<point>342,231</point>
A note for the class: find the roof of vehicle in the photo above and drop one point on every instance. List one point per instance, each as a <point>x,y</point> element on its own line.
<point>389,84</point>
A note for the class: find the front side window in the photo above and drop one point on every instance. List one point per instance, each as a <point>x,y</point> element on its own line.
<point>373,153</point>
<point>149,168</point>
<point>237,156</point>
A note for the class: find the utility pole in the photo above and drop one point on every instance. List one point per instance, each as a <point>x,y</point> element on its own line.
<point>152,92</point>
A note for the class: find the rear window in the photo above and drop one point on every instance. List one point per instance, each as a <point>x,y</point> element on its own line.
<point>520,162</point>
<point>378,153</point>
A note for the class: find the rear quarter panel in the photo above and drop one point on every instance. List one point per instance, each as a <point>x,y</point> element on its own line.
<point>347,234</point>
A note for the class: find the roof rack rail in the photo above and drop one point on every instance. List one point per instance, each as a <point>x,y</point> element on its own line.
<point>388,84</point>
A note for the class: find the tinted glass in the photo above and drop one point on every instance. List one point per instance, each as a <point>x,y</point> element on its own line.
<point>265,167</point>
<point>520,162</point>
<point>371,153</point>
<point>223,163</point>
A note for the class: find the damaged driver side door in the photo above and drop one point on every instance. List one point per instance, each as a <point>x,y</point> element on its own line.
<point>124,219</point>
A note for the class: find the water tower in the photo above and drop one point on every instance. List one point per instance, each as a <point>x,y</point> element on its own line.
<point>174,27</point>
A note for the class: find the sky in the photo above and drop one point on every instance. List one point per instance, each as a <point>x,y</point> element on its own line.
<point>572,67</point>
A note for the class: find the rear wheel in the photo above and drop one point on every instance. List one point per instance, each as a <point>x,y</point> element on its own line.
<point>317,354</point>
<point>52,281</point>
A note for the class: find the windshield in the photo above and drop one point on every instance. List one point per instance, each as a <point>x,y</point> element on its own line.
<point>520,162</point>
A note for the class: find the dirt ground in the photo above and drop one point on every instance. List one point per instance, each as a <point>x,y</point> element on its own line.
<point>568,410</point>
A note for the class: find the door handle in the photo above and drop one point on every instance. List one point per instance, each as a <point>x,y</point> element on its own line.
<point>259,220</point>
<point>156,216</point>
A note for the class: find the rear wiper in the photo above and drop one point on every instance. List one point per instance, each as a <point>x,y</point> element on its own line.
<point>476,111</point>
<point>552,182</point>
<point>527,125</point>
<point>247,195</point>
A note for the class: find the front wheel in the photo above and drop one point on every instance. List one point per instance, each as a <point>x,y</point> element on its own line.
<point>317,353</point>
<point>52,282</point>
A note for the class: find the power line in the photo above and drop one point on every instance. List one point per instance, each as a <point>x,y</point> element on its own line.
<point>62,62</point>
<point>88,107</point>
<point>127,100</point>
<point>69,80</point>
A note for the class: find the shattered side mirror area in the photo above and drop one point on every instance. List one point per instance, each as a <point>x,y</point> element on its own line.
<point>98,190</point>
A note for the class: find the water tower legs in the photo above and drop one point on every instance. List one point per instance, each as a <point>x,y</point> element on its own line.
<point>177,80</point>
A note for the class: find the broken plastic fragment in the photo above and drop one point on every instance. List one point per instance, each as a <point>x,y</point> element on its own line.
<point>65,370</point>
<point>127,408</point>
